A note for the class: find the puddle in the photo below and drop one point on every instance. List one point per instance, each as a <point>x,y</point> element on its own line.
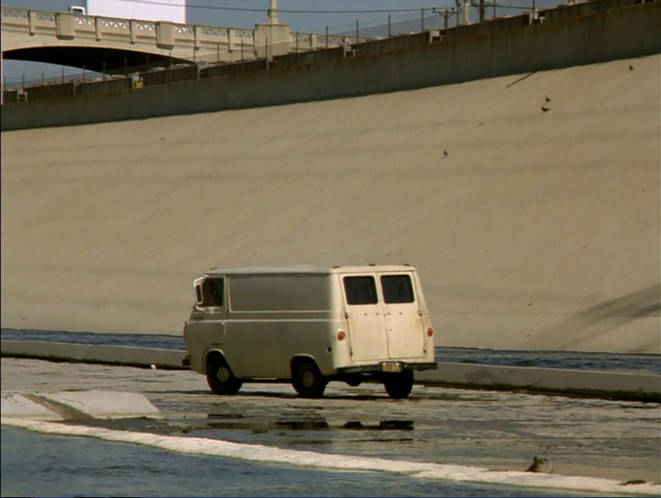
<point>384,425</point>
<point>305,425</point>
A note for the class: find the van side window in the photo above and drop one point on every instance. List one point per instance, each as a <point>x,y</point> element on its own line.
<point>397,289</point>
<point>212,292</point>
<point>360,290</point>
<point>279,293</point>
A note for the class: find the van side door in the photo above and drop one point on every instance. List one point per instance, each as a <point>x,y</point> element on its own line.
<point>208,330</point>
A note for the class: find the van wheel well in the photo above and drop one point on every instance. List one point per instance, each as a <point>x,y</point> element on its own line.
<point>306,377</point>
<point>220,377</point>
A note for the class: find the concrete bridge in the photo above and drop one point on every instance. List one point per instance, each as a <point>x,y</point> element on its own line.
<point>108,44</point>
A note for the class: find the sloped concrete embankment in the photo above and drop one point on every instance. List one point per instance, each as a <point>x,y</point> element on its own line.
<point>529,203</point>
<point>530,229</point>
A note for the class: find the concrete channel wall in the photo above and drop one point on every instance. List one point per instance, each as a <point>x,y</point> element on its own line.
<point>646,387</point>
<point>581,35</point>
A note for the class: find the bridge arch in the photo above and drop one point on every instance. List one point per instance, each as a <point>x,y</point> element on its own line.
<point>99,59</point>
<point>94,41</point>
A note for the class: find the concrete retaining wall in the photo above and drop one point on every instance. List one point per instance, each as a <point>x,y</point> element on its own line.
<point>50,91</point>
<point>113,85</point>
<point>480,53</point>
<point>550,380</point>
<point>576,382</point>
<point>120,355</point>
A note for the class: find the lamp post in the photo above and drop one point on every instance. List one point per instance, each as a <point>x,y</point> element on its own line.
<point>273,12</point>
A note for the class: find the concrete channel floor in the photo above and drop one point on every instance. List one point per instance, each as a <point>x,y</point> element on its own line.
<point>495,430</point>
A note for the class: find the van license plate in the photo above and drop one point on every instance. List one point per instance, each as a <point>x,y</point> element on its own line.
<point>391,366</point>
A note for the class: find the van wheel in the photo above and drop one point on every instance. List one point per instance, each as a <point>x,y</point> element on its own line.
<point>308,381</point>
<point>399,385</point>
<point>220,378</point>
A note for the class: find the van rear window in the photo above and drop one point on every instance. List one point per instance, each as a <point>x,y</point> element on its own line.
<point>360,290</point>
<point>397,289</point>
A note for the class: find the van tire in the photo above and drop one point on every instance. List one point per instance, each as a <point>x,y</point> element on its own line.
<point>398,386</point>
<point>220,378</point>
<point>307,380</point>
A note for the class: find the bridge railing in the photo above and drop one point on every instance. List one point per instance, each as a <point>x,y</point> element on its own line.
<point>182,40</point>
<point>192,42</point>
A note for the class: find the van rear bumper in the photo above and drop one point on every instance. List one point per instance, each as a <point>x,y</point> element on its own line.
<point>386,366</point>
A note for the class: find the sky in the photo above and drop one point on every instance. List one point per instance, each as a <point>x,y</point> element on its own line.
<point>312,16</point>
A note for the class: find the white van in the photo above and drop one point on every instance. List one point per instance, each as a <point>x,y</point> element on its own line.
<point>309,325</point>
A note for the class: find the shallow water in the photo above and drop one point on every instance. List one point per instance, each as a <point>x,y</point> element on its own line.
<point>45,465</point>
<point>639,363</point>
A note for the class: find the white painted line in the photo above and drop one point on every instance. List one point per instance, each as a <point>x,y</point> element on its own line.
<point>271,454</point>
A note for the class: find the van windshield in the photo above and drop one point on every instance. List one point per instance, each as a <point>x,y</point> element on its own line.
<point>212,292</point>
<point>397,289</point>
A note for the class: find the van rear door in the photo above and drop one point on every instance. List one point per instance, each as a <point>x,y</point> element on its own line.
<point>365,318</point>
<point>402,317</point>
<point>383,317</point>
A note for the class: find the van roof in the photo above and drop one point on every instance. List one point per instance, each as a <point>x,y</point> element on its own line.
<point>310,269</point>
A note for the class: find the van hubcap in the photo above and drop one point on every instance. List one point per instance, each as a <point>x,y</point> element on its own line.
<point>308,379</point>
<point>223,374</point>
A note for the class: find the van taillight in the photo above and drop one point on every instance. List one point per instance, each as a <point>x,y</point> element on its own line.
<point>430,332</point>
<point>341,335</point>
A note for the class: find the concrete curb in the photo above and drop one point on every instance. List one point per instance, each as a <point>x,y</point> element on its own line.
<point>616,385</point>
<point>631,386</point>
<point>90,353</point>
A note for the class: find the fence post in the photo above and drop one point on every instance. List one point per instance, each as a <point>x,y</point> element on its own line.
<point>266,50</point>
<point>356,30</point>
<point>389,33</point>
<point>326,35</point>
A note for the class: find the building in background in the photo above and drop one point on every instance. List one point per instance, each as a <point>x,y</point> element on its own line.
<point>163,10</point>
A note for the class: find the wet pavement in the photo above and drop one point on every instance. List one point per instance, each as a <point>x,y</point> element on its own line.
<point>500,431</point>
